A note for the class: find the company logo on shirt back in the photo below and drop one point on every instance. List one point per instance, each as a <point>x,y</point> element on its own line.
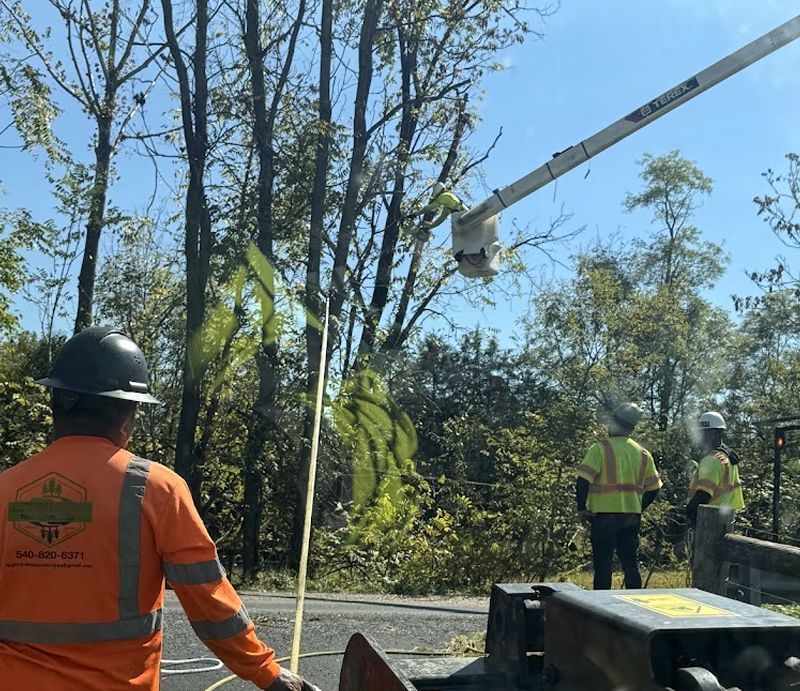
<point>50,510</point>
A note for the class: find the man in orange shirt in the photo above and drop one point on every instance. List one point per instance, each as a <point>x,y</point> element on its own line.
<point>88,534</point>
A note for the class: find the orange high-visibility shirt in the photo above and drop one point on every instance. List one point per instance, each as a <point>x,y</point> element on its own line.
<point>88,533</point>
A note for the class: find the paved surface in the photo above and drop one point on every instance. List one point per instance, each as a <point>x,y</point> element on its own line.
<point>330,620</point>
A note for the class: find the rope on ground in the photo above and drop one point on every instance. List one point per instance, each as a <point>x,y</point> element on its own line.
<point>212,664</point>
<point>329,653</point>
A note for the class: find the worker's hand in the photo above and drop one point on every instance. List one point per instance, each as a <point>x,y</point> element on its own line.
<point>585,516</point>
<point>289,681</point>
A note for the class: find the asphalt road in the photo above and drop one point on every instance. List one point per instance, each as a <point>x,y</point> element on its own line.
<point>330,620</point>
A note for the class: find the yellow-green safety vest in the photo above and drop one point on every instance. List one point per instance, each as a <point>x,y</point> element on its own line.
<point>717,476</point>
<point>619,471</point>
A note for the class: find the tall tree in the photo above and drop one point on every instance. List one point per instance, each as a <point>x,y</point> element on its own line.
<point>349,214</point>
<point>418,66</point>
<point>265,116</point>
<point>673,264</point>
<point>106,50</point>
<point>193,94</point>
<point>313,282</point>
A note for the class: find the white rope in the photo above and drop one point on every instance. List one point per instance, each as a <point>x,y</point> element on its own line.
<point>212,665</point>
<point>302,570</point>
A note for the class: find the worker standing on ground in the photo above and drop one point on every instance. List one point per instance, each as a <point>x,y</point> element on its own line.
<point>716,480</point>
<point>89,532</point>
<point>616,482</point>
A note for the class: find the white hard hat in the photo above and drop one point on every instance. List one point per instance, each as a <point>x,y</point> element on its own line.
<point>438,188</point>
<point>712,420</point>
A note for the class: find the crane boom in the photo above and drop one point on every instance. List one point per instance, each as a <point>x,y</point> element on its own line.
<point>641,117</point>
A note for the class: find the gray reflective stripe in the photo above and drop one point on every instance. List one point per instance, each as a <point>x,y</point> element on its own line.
<point>30,632</point>
<point>194,574</point>
<point>208,630</point>
<point>130,521</point>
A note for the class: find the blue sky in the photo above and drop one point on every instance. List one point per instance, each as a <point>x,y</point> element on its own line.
<point>597,62</point>
<point>601,60</point>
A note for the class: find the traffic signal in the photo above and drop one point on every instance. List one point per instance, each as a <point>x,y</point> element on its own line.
<point>780,439</point>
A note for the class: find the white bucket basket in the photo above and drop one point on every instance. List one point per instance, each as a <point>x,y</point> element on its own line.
<point>476,247</point>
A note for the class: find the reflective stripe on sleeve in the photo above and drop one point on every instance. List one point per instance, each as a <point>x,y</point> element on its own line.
<point>586,472</point>
<point>196,573</point>
<point>653,482</point>
<point>705,485</point>
<point>210,630</point>
<point>50,633</point>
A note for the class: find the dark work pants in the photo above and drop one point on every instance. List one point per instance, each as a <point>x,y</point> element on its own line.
<point>620,532</point>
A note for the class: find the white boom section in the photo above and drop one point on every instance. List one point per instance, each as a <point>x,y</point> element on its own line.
<point>677,96</point>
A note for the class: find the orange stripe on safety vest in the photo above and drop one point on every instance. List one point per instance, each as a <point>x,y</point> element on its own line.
<point>611,463</point>
<point>642,468</point>
<point>725,485</point>
<point>620,488</point>
<point>725,489</point>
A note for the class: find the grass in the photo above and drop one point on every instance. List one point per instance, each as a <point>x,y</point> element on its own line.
<point>790,610</point>
<point>468,645</point>
<point>677,578</point>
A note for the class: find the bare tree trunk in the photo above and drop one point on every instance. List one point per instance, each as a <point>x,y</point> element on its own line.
<point>391,231</point>
<point>104,108</point>
<point>314,261</point>
<point>263,413</point>
<point>197,244</point>
<point>94,226</point>
<point>372,11</point>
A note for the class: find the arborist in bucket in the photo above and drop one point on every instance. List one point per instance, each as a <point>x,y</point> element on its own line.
<point>616,482</point>
<point>88,534</point>
<point>716,480</point>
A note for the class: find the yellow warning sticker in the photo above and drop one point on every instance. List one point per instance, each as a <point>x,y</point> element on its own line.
<point>671,605</point>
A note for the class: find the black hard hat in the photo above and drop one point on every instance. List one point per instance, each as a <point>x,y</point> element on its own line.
<point>627,414</point>
<point>103,362</point>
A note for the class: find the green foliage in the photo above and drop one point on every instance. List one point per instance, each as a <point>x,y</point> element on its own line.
<point>380,434</point>
<point>18,233</point>
<point>778,209</point>
<point>25,417</point>
<point>24,88</point>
